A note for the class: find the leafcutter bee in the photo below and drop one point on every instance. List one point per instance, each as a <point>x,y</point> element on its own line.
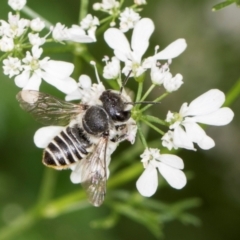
<point>90,135</point>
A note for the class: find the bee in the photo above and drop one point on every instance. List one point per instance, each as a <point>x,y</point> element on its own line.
<point>91,134</point>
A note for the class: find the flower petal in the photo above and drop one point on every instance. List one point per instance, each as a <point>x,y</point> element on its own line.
<point>198,135</point>
<point>118,42</point>
<point>77,34</point>
<point>85,81</point>
<point>140,37</point>
<point>220,117</point>
<point>33,83</point>
<point>75,176</point>
<point>43,136</point>
<point>58,69</point>
<point>181,139</point>
<point>67,85</point>
<point>75,95</point>
<point>206,143</point>
<point>206,103</point>
<point>172,160</point>
<point>176,178</point>
<point>22,79</point>
<point>173,50</point>
<point>148,181</point>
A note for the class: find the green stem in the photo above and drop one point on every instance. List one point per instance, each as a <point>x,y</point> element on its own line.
<point>153,119</point>
<point>232,94</point>
<point>29,12</point>
<point>148,92</point>
<point>47,186</point>
<point>152,126</point>
<point>105,20</point>
<point>156,100</point>
<point>144,142</point>
<point>3,56</point>
<point>139,92</point>
<point>129,174</point>
<point>83,9</point>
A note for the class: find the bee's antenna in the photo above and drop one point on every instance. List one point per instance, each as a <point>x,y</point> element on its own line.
<point>125,82</point>
<point>143,102</point>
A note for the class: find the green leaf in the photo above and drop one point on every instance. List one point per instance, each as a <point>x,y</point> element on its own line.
<point>145,217</point>
<point>106,222</point>
<point>222,5</point>
<point>153,213</point>
<point>187,218</point>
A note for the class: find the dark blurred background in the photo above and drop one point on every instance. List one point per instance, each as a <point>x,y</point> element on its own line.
<point>212,60</point>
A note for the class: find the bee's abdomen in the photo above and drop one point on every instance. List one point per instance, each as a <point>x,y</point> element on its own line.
<point>68,147</point>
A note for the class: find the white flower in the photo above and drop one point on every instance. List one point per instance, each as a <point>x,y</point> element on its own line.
<point>128,19</point>
<point>168,165</point>
<point>204,109</point>
<point>160,74</point>
<point>15,27</point>
<point>34,39</point>
<point>112,68</point>
<point>53,72</point>
<point>139,44</point>
<point>88,93</point>
<point>106,5</point>
<point>37,25</point>
<point>12,66</point>
<point>167,140</point>
<point>60,32</point>
<point>173,50</point>
<point>6,44</point>
<point>90,23</point>
<point>17,4</point>
<point>173,83</point>
<point>75,34</point>
<point>140,2</point>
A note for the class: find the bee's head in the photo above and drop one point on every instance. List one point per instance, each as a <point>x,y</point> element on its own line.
<point>114,105</point>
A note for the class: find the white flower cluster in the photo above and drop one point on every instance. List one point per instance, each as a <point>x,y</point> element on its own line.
<point>127,18</point>
<point>83,33</point>
<point>17,5</point>
<point>132,55</point>
<point>18,35</point>
<point>184,130</point>
<point>108,6</point>
<point>168,165</point>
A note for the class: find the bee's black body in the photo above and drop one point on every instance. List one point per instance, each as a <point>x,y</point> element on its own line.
<point>89,136</point>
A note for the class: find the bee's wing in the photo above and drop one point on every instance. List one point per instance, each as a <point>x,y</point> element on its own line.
<point>94,173</point>
<point>47,109</point>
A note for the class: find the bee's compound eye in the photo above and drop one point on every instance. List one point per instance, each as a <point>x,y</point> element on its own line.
<point>30,97</point>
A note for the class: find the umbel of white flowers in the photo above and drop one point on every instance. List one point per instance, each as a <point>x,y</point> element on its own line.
<point>132,55</point>
<point>169,166</point>
<point>184,130</point>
